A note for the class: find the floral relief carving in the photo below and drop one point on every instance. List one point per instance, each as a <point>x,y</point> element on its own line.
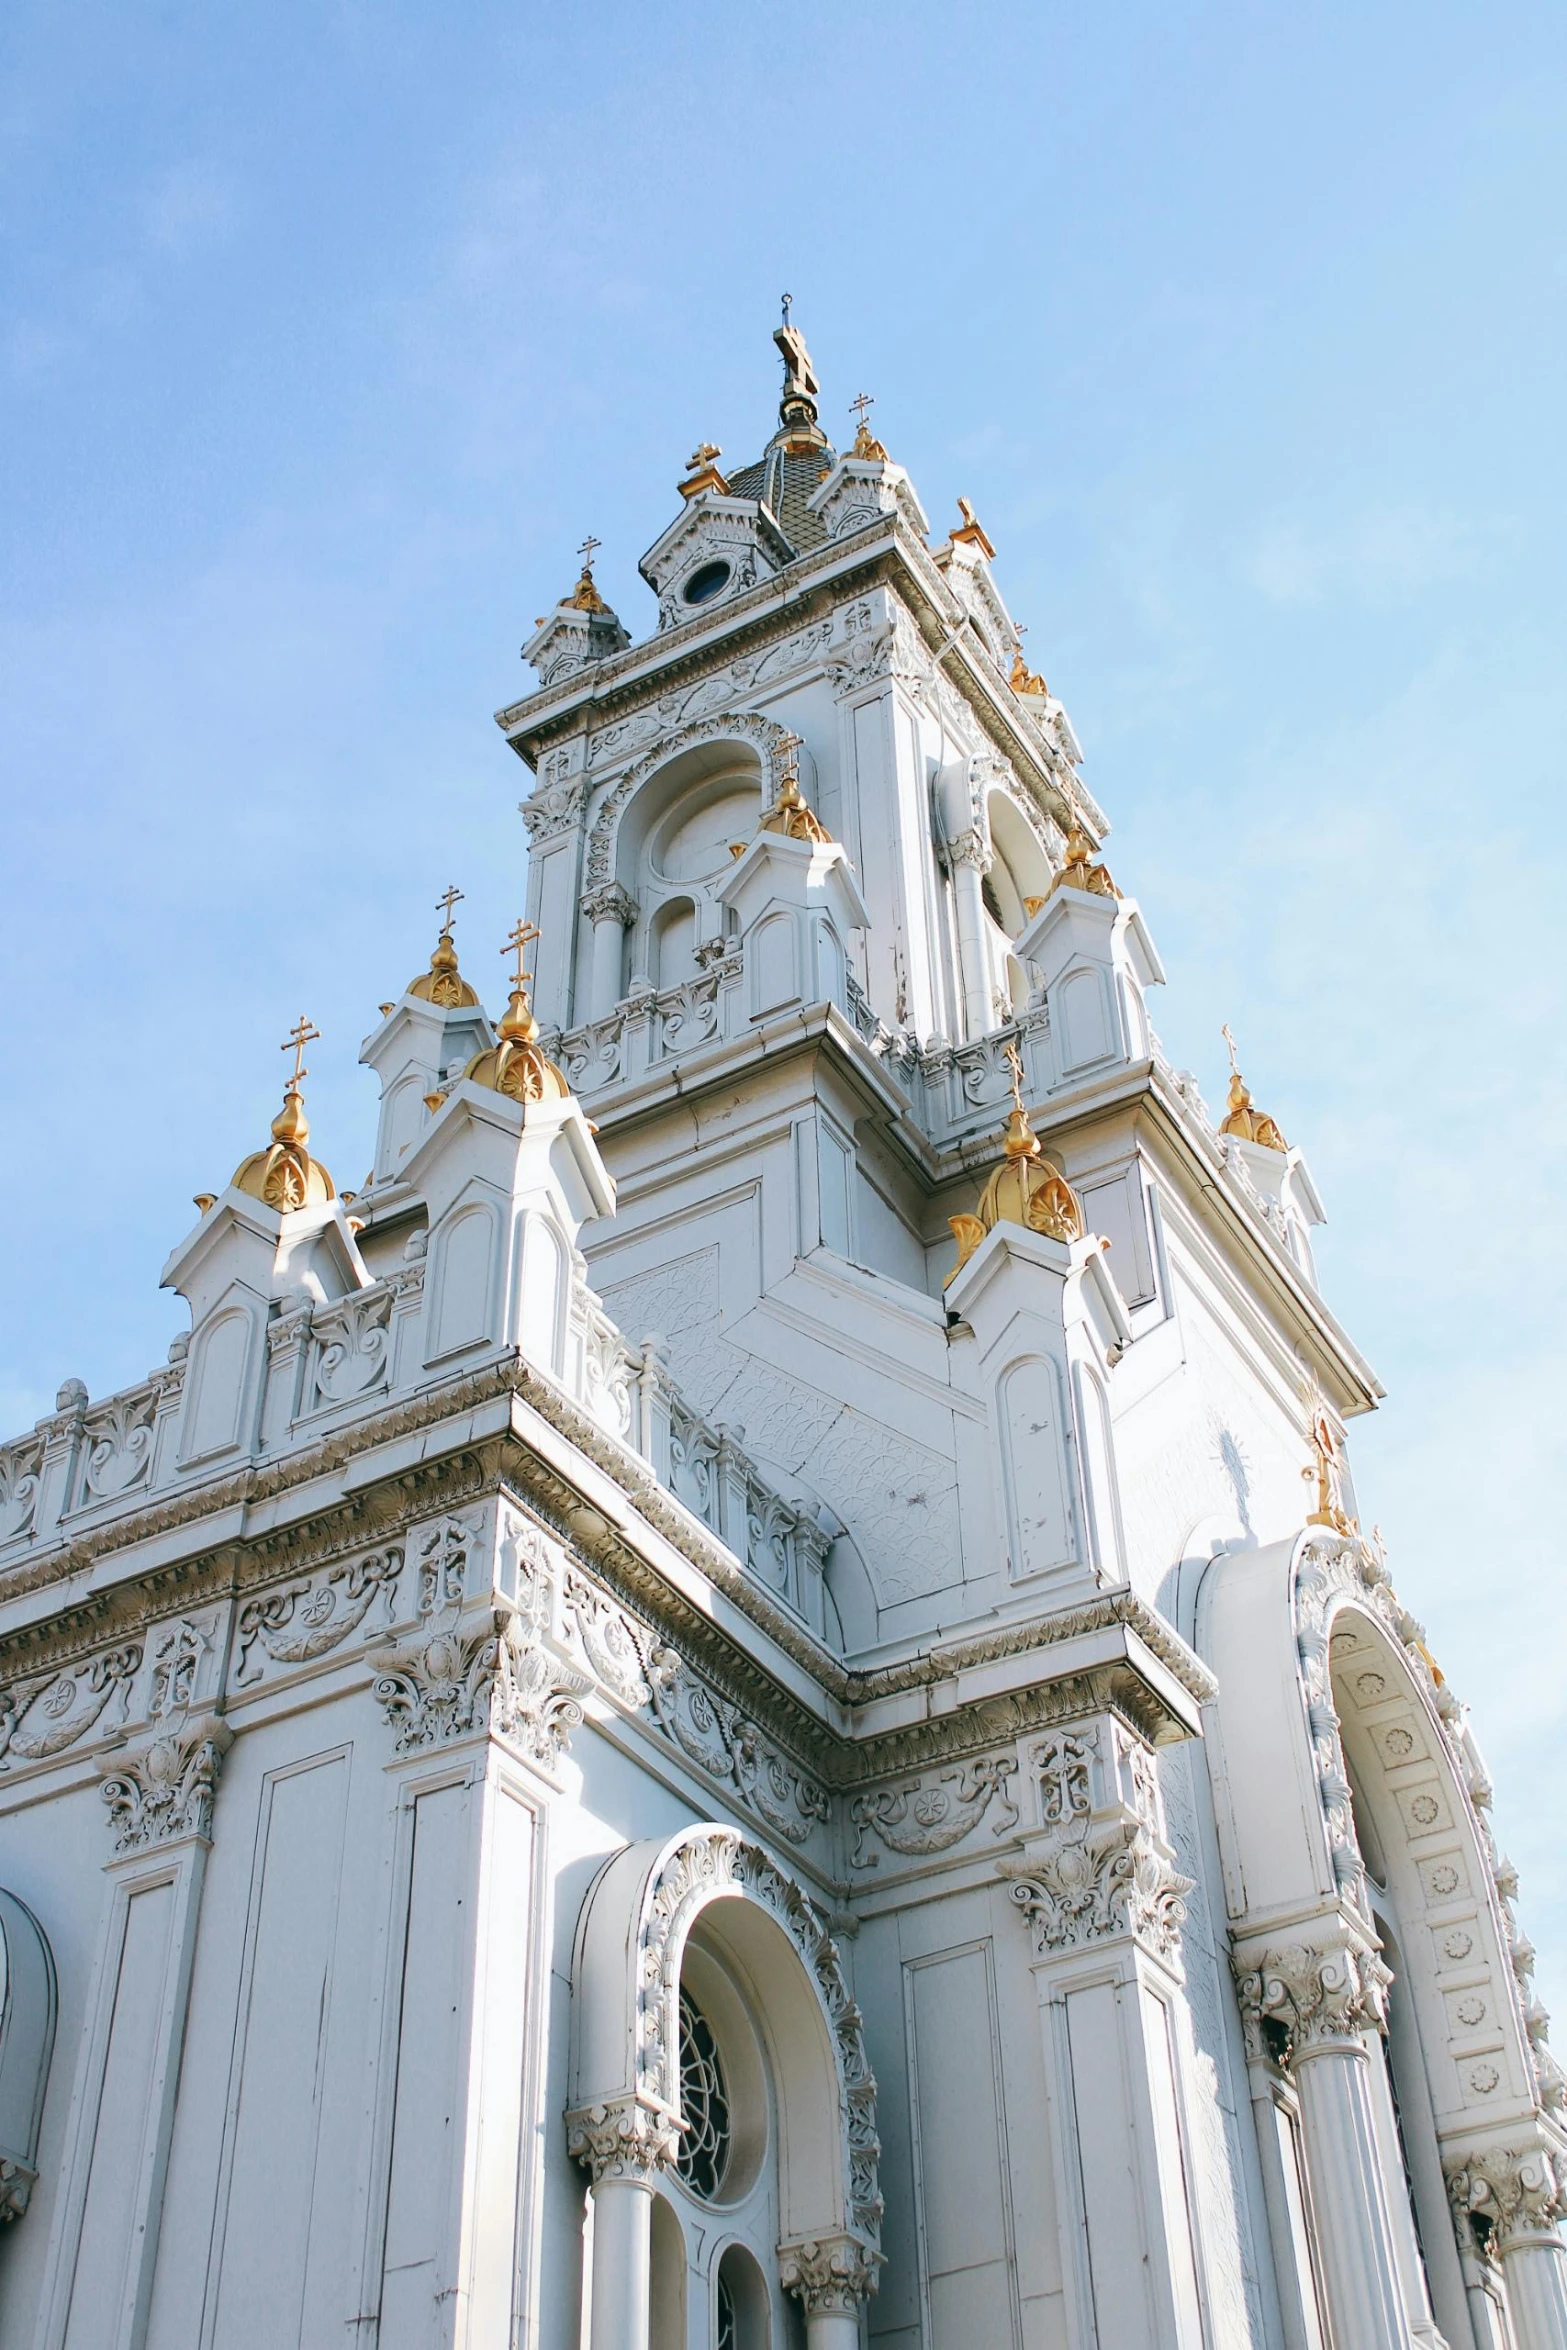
<point>831,2276</point>
<point>924,1819</point>
<point>307,1619</point>
<point>622,2139</point>
<point>21,1472</point>
<point>716,1735</point>
<point>555,803</point>
<point>1101,1868</point>
<point>353,1338</point>
<point>1503,2196</point>
<point>118,1444</point>
<point>167,1787</point>
<point>39,1718</point>
<point>1301,1998</point>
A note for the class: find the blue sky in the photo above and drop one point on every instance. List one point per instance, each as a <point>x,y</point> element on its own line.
<point>329,331</point>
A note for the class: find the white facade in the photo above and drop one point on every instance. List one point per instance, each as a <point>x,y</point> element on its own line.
<point>611,1757</point>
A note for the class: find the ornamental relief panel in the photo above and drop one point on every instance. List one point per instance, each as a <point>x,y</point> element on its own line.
<point>21,1475</point>
<point>308,1619</point>
<point>931,1815</point>
<point>43,1716</point>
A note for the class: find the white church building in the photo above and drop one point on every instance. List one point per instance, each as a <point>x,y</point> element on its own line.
<point>744,1703</point>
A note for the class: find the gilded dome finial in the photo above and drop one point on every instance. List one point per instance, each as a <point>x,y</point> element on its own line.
<point>585,596</point>
<point>789,813</point>
<point>285,1176</point>
<point>866,444</point>
<point>1027,1188</point>
<point>515,1066</point>
<point>443,983</point>
<point>1252,1125</point>
<point>1078,870</point>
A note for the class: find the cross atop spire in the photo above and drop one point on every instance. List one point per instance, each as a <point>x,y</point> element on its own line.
<point>518,944</point>
<point>797,408</point>
<point>301,1034</point>
<point>450,897</point>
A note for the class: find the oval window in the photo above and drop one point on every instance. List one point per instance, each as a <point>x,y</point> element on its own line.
<point>705,582</point>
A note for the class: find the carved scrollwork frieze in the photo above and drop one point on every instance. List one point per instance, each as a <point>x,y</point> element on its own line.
<point>42,1716</point>
<point>308,1619</point>
<point>925,1817</point>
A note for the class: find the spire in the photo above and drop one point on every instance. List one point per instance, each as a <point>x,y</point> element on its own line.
<point>285,1176</point>
<point>866,445</point>
<point>1078,870</point>
<point>516,1067</point>
<point>1251,1125</point>
<point>798,427</point>
<point>443,984</point>
<point>1027,1188</point>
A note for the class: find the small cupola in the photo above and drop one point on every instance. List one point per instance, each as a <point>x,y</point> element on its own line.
<point>284,1175</point>
<point>581,629</point>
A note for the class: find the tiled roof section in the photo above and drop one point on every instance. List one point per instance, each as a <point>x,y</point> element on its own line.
<point>786,481</point>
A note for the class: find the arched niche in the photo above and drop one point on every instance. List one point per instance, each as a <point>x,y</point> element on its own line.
<point>631,1944</point>
<point>673,942</point>
<point>665,821</point>
<point>27,2016</point>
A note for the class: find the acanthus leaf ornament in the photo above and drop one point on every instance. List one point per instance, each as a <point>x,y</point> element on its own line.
<point>165,1788</point>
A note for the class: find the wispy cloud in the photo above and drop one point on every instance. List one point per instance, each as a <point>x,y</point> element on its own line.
<point>1386,556</point>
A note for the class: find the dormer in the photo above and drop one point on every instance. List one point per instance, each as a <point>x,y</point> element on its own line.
<point>718,546</point>
<point>863,487</point>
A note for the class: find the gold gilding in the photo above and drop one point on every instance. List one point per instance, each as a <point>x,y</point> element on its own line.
<point>585,597</point>
<point>1024,680</point>
<point>515,1066</point>
<point>1251,1124</point>
<point>702,472</point>
<point>443,984</point>
<point>1027,1188</point>
<point>1079,870</point>
<point>972,532</point>
<point>1328,1473</point>
<point>285,1176</point>
<point>866,445</point>
<point>789,813</point>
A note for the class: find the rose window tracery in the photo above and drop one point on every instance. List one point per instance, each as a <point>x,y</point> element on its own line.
<point>704,2102</point>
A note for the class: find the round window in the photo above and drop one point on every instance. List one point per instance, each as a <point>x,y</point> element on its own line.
<point>704,2104</point>
<point>705,582</point>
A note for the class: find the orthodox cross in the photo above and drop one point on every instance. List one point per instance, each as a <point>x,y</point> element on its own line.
<point>1226,1033</point>
<point>1015,1063</point>
<point>588,549</point>
<point>703,456</point>
<point>517,945</point>
<point>444,904</point>
<point>861,402</point>
<point>299,1036</point>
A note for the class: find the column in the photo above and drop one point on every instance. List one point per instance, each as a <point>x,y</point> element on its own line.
<point>831,2278</point>
<point>1325,2001</point>
<point>611,910</point>
<point>970,862</point>
<point>1516,2194</point>
<point>625,2145</point>
<point>1104,1906</point>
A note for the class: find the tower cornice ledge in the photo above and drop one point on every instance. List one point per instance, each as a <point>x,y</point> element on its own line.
<point>886,551</point>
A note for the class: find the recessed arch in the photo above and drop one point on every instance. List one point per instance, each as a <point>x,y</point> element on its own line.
<point>735,744</point>
<point>631,1943</point>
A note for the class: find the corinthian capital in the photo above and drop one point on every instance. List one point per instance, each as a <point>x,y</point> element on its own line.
<point>831,2275</point>
<point>624,2139</point>
<point>1501,2195</point>
<point>1315,1998</point>
<point>610,902</point>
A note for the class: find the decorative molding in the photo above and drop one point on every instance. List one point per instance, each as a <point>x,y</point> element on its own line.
<point>831,2275</point>
<point>1505,2196</point>
<point>353,1341</point>
<point>1102,1868</point>
<point>479,1673</point>
<point>308,1619</point>
<point>710,1861</point>
<point>920,1819</point>
<point>555,804</point>
<point>1300,2000</point>
<point>626,2139</point>
<point>166,1788</point>
<point>770,741</point>
<point>42,1717</point>
<point>610,902</point>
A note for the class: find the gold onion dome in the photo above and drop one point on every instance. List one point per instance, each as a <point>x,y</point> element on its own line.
<point>1241,1118</point>
<point>1027,1188</point>
<point>443,984</point>
<point>284,1175</point>
<point>515,1066</point>
<point>1078,870</point>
